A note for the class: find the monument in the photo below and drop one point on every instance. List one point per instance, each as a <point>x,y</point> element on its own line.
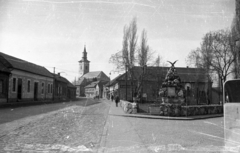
<point>172,93</point>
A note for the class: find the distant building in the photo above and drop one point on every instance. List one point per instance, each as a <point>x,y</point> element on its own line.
<point>63,89</point>
<point>87,77</point>
<point>110,87</point>
<point>23,81</point>
<point>95,89</point>
<point>71,93</point>
<point>90,90</point>
<point>194,80</point>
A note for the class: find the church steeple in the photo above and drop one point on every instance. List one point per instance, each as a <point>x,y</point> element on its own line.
<point>84,63</point>
<point>84,57</point>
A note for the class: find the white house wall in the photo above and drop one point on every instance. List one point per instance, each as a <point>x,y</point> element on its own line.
<point>29,96</point>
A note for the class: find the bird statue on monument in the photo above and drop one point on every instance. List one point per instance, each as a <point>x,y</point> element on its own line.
<point>171,72</point>
<point>172,63</point>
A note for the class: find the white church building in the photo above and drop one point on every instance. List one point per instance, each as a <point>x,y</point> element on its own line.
<point>86,76</point>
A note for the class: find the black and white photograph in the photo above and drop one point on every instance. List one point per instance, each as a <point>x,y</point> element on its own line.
<point>119,76</point>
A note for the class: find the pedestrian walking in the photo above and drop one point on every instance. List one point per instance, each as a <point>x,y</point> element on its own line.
<point>112,97</point>
<point>117,100</point>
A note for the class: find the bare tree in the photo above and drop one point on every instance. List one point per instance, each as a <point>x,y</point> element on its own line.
<point>223,55</point>
<point>132,41</point>
<point>144,52</point>
<point>194,58</point>
<point>158,61</point>
<point>118,60</point>
<point>216,54</point>
<point>126,57</point>
<point>125,47</point>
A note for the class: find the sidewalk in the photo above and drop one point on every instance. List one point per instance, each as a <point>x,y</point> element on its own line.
<point>118,135</point>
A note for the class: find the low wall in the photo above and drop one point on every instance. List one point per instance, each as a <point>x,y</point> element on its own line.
<point>128,107</point>
<point>178,110</point>
<point>173,109</point>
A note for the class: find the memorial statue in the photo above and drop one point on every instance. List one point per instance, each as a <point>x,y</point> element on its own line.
<point>172,90</point>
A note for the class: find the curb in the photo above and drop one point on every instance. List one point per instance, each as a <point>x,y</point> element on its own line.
<point>170,118</point>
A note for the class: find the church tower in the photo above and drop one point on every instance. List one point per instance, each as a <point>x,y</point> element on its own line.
<point>83,63</point>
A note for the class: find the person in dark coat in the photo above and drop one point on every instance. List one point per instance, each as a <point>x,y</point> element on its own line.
<point>112,97</point>
<point>117,99</point>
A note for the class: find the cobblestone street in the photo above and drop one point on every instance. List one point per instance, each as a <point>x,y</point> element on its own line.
<point>72,129</point>
<point>99,126</point>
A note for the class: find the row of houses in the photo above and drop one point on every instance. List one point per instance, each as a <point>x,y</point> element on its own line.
<point>195,81</point>
<point>22,81</point>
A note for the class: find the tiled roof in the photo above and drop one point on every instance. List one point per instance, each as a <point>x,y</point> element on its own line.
<point>90,76</point>
<point>93,74</point>
<point>60,78</point>
<point>113,81</point>
<point>153,73</point>
<point>70,85</point>
<point>80,81</point>
<point>19,64</point>
<point>92,85</point>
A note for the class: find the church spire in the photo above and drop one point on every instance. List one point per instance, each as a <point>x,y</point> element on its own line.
<point>85,48</point>
<point>84,57</point>
<point>84,63</point>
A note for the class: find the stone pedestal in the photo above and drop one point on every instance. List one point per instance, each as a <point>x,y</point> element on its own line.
<point>172,94</point>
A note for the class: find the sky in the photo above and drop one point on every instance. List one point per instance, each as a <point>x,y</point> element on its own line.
<point>52,33</point>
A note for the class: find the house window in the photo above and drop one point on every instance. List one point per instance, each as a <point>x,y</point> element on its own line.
<point>42,88</point>
<point>14,85</point>
<point>1,86</point>
<point>58,90</point>
<point>48,88</point>
<point>28,85</point>
<point>51,88</point>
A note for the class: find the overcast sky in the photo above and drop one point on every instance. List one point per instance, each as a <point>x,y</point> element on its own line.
<point>52,33</point>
